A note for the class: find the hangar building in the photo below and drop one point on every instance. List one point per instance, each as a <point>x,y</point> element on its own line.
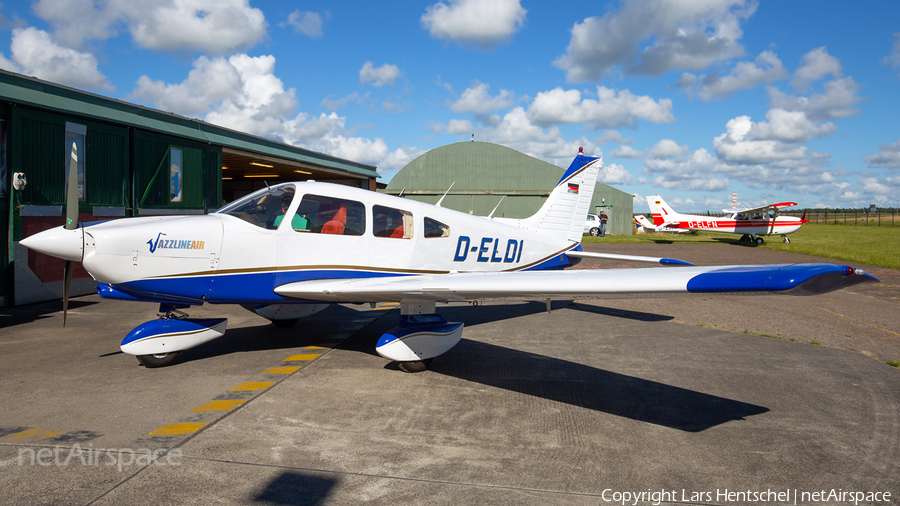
<point>482,173</point>
<point>133,161</point>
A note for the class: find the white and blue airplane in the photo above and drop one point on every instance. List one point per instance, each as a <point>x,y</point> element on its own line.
<point>289,250</point>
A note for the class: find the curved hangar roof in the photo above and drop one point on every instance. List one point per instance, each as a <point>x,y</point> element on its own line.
<point>482,172</point>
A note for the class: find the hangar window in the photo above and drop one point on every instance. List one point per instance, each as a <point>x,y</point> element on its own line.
<point>393,223</point>
<point>176,174</point>
<point>75,134</point>
<point>330,215</point>
<point>434,228</point>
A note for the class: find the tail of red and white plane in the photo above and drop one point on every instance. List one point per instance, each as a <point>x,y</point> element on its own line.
<point>566,209</point>
<point>661,212</point>
<point>644,222</point>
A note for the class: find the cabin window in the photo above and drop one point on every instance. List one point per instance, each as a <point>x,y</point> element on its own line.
<point>264,208</point>
<point>434,228</point>
<point>176,175</point>
<point>75,134</point>
<point>330,215</point>
<point>393,223</point>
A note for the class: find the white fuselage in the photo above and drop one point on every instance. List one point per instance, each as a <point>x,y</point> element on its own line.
<point>224,258</point>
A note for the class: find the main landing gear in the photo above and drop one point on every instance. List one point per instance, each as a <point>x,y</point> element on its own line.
<point>753,238</point>
<point>421,335</point>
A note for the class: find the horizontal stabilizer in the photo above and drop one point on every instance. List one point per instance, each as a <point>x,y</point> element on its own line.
<point>632,258</point>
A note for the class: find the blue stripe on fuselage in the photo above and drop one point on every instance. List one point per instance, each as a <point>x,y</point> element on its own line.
<point>237,288</point>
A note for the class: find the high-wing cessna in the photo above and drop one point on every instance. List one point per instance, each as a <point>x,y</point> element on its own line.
<point>752,223</point>
<point>289,250</point>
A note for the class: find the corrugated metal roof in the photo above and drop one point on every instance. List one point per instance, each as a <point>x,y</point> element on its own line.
<point>49,96</point>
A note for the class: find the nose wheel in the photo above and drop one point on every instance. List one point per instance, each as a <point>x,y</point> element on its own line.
<point>785,239</point>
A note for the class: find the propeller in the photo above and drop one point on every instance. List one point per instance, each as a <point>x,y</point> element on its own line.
<point>71,223</point>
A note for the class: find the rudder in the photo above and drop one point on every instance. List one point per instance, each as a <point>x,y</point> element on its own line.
<point>566,209</point>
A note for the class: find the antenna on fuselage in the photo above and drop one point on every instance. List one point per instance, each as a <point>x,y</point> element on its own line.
<point>401,192</point>
<point>495,207</point>
<point>445,194</point>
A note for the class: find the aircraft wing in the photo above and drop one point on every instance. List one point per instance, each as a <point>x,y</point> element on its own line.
<point>763,209</point>
<point>795,279</point>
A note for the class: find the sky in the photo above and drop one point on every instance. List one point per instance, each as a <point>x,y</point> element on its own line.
<point>689,99</point>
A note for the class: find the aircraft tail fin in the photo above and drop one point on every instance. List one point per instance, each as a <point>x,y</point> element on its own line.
<point>660,211</point>
<point>565,211</point>
<point>644,222</point>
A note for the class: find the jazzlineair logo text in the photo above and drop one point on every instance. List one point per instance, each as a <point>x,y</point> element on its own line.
<point>173,243</point>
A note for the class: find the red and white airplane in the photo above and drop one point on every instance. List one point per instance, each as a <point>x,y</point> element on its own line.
<point>752,223</point>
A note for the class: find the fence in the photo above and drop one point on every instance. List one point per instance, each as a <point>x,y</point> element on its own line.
<point>882,217</point>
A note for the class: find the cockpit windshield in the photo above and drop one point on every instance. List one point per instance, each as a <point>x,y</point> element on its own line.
<point>262,207</point>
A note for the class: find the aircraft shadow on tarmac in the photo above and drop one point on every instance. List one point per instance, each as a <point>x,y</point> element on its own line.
<point>295,489</point>
<point>568,382</point>
<point>18,315</point>
<point>320,329</point>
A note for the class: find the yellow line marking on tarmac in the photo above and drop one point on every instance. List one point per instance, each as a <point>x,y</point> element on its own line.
<point>35,432</point>
<point>172,429</point>
<point>227,405</point>
<point>316,348</point>
<point>860,321</point>
<point>252,385</point>
<point>285,369</point>
<point>303,358</point>
<point>387,305</point>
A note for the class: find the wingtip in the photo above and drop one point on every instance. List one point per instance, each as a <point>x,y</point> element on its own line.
<point>673,261</point>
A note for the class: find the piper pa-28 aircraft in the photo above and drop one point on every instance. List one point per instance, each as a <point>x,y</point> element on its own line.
<point>337,244</point>
<point>752,223</point>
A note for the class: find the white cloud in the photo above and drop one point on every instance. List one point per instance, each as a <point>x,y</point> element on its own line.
<point>243,93</point>
<point>75,21</point>
<point>696,172</point>
<point>477,100</point>
<point>614,174</point>
<point>399,158</point>
<point>611,136</point>
<point>666,148</point>
<point>335,104</point>
<point>838,101</point>
<point>626,152</point>
<point>306,22</point>
<point>378,77</point>
<point>788,126</point>
<point>611,109</point>
<point>648,37</point>
<point>458,126</point>
<point>482,23</point>
<point>33,53</point>
<point>816,65</point>
<point>216,28</point>
<point>893,59</point>
<point>739,145</point>
<point>888,156</point>
<point>745,75</point>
